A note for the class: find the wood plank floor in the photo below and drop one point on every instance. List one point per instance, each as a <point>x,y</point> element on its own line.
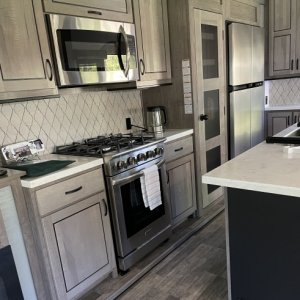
<point>195,270</point>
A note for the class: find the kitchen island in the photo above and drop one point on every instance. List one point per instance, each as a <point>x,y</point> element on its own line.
<point>262,222</point>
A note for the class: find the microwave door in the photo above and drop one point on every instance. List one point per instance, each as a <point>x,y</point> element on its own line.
<point>123,47</point>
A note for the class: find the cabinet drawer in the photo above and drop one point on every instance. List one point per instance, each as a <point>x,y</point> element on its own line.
<point>68,191</point>
<point>179,148</point>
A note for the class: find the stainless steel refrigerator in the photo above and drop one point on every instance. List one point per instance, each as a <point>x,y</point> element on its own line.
<point>246,90</point>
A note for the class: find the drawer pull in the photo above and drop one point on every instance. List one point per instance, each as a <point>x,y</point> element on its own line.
<point>94,12</point>
<point>105,205</point>
<point>178,149</point>
<point>73,191</point>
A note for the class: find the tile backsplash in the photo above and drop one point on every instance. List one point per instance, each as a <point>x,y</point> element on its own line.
<point>283,92</point>
<point>72,117</point>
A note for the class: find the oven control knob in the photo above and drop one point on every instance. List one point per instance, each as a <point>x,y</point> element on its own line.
<point>159,151</point>
<point>131,161</point>
<point>150,154</point>
<point>121,165</point>
<point>141,157</point>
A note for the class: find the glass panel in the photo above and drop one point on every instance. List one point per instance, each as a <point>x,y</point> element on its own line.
<point>85,50</point>
<point>212,109</point>
<point>213,160</point>
<point>210,51</point>
<point>136,215</point>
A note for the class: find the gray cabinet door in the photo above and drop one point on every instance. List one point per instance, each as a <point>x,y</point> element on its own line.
<point>79,244</point>
<point>26,67</point>
<point>117,10</point>
<point>181,176</point>
<point>277,121</point>
<point>282,37</point>
<point>152,33</point>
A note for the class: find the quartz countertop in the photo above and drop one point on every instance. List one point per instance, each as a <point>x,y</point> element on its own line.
<point>175,134</point>
<point>265,168</point>
<point>285,107</point>
<point>82,163</point>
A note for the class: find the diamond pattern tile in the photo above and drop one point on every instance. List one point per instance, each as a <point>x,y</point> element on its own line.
<point>284,92</point>
<point>69,118</point>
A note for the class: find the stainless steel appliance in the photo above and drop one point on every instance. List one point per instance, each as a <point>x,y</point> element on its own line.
<point>156,119</point>
<point>246,91</point>
<point>90,51</point>
<point>137,229</point>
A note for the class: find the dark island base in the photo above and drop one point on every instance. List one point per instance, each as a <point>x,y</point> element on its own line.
<point>264,241</point>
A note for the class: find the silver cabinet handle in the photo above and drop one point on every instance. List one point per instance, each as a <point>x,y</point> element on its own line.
<point>142,64</point>
<point>105,205</point>
<point>73,191</point>
<point>49,69</point>
<point>94,12</point>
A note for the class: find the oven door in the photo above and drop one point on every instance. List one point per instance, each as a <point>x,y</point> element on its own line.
<point>134,224</point>
<point>90,51</point>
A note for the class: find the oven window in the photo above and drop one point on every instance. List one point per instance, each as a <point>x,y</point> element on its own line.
<point>94,51</point>
<point>136,215</point>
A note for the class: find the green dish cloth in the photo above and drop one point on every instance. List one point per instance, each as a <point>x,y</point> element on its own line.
<point>41,168</point>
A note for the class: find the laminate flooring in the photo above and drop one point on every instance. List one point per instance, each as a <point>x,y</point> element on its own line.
<point>195,270</point>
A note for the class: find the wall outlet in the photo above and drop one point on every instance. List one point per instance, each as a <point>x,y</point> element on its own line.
<point>128,123</point>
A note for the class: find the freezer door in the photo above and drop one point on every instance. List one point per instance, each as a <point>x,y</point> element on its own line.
<point>258,54</point>
<point>240,53</point>
<point>240,122</point>
<point>257,115</point>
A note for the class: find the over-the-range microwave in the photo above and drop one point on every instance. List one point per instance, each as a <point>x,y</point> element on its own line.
<point>91,51</point>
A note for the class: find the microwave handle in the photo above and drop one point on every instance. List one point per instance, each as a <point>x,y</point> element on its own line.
<point>126,69</point>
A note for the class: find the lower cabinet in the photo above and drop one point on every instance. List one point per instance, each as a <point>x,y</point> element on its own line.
<point>181,179</point>
<point>279,120</point>
<point>72,223</point>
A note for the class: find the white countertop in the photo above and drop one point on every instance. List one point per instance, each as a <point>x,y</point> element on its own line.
<point>81,163</point>
<point>264,168</point>
<point>285,107</point>
<point>175,134</point>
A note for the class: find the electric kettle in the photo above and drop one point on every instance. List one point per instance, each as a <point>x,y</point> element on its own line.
<point>156,118</point>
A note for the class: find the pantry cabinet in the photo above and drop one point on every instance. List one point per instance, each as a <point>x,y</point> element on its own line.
<point>152,34</point>
<point>181,178</point>
<point>115,10</point>
<point>245,11</point>
<point>284,38</point>
<point>25,62</point>
<point>72,220</point>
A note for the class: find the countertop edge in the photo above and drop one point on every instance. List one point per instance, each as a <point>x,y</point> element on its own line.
<point>177,135</point>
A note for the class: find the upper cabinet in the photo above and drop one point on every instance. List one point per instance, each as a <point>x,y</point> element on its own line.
<point>211,5</point>
<point>245,11</point>
<point>284,34</point>
<point>25,62</point>
<point>115,10</point>
<point>152,34</point>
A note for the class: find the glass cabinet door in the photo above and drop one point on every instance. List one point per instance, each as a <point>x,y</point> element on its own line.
<point>210,96</point>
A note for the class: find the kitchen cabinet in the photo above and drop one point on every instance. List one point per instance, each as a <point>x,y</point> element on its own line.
<point>152,35</point>
<point>279,120</point>
<point>73,225</point>
<point>212,5</point>
<point>26,65</point>
<point>115,10</point>
<point>245,11</point>
<point>284,42</point>
<point>181,178</point>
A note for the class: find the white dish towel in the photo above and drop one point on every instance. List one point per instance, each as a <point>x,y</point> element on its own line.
<point>150,185</point>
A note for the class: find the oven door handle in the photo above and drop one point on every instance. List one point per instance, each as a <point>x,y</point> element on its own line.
<point>134,176</point>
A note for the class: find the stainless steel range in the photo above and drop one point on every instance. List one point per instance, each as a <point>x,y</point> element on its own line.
<point>138,229</point>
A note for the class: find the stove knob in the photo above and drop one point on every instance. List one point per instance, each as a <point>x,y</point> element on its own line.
<point>150,154</point>
<point>131,161</point>
<point>141,157</point>
<point>121,165</point>
<point>159,151</point>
